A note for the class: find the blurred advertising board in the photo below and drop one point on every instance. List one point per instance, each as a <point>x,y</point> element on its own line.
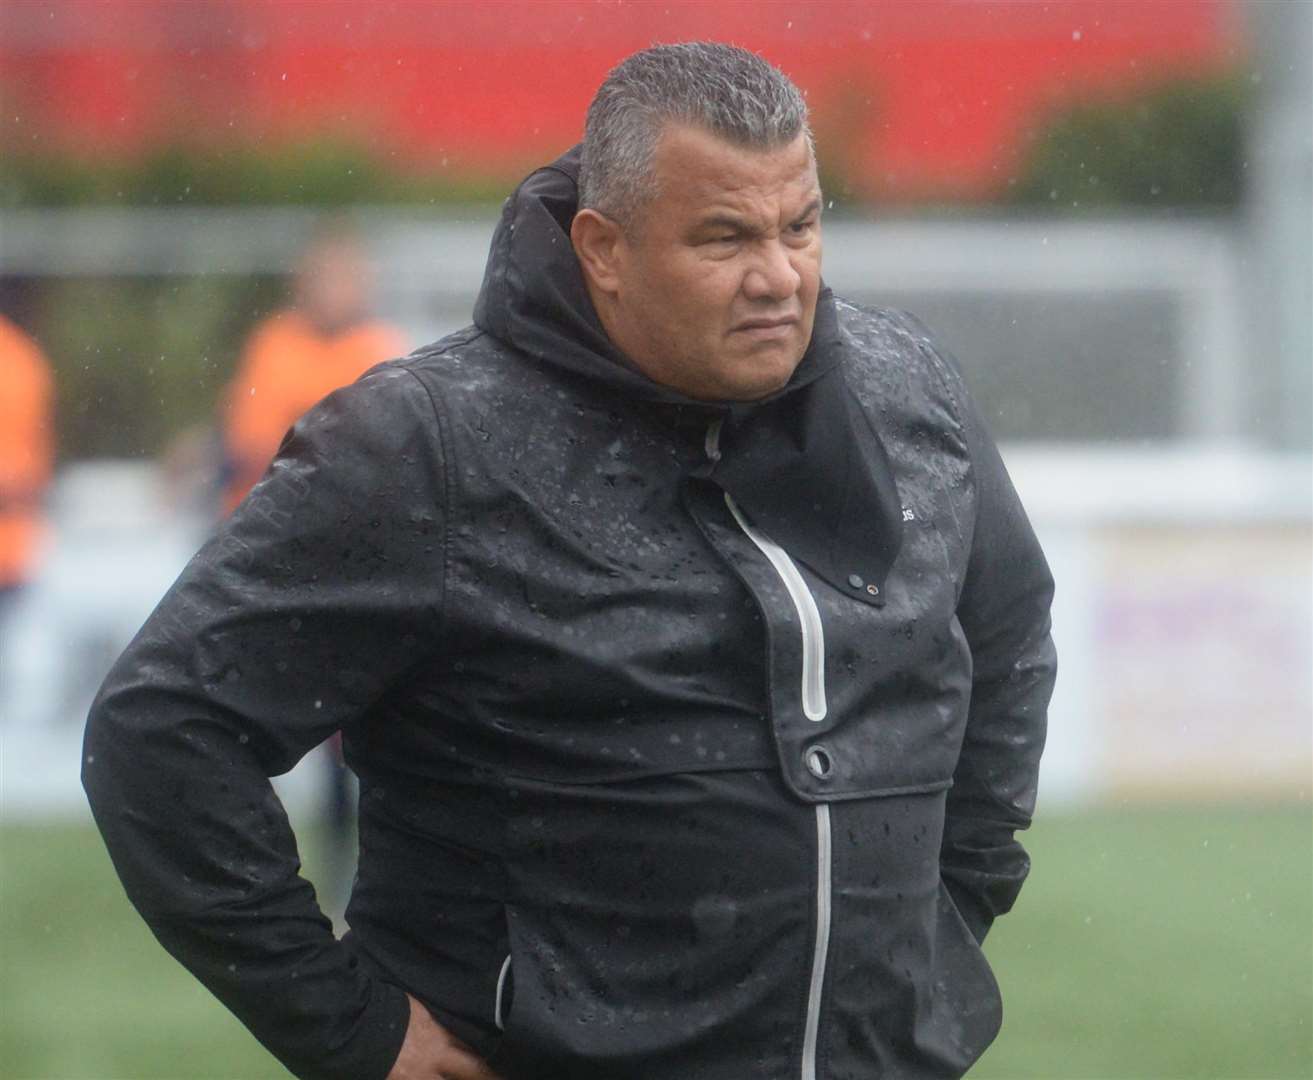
<point>1202,658</point>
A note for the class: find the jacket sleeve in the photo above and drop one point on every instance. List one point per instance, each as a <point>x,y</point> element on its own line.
<point>312,601</point>
<point>1004,613</point>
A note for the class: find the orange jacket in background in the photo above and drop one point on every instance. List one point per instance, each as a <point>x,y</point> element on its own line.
<point>26,450</point>
<point>288,366</point>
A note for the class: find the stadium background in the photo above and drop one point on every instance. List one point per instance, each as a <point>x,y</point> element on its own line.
<point>1104,209</point>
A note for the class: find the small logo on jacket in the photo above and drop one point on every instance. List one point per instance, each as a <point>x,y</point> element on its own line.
<point>908,515</point>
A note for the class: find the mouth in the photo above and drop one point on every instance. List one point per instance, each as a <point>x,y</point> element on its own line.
<point>767,326</point>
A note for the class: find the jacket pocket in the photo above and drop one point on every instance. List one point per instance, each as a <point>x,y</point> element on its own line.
<point>964,982</point>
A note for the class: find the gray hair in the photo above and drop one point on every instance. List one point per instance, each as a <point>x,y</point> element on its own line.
<point>723,89</point>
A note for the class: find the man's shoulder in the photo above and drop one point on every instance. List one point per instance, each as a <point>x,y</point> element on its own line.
<point>889,347</point>
<point>398,394</point>
<point>884,332</point>
<point>282,329</point>
<point>468,360</point>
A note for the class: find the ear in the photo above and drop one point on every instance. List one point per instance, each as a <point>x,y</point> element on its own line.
<point>599,245</point>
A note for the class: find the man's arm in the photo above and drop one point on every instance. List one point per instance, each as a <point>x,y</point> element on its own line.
<point>1004,612</point>
<point>313,600</point>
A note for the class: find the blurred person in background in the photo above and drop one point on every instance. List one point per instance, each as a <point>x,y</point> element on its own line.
<point>325,339</point>
<point>684,629</point>
<point>26,456</point>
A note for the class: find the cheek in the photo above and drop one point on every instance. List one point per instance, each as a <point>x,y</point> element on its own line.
<point>719,289</point>
<point>702,299</point>
<point>808,267</point>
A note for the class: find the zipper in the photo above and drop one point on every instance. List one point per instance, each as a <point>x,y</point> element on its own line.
<point>814,708</point>
<point>813,634</point>
<point>823,876</point>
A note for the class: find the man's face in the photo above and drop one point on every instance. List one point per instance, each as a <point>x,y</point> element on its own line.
<point>716,280</point>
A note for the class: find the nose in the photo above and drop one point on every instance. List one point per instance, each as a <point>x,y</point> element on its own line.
<point>772,275</point>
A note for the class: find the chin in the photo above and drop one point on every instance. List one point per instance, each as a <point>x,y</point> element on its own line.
<point>773,373</point>
<point>759,384</point>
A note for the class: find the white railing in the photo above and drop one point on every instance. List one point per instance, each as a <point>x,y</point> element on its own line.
<point>1184,615</point>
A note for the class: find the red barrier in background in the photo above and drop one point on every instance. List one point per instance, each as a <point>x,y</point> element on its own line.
<point>930,98</point>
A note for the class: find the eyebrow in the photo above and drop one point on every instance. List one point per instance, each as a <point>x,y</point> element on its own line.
<point>724,221</point>
<point>813,207</point>
<point>737,224</point>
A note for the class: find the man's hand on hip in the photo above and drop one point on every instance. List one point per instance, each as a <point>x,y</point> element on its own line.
<point>431,1052</point>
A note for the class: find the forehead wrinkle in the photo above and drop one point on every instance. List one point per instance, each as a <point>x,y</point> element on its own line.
<point>749,214</point>
<point>750,194</point>
<point>760,213</point>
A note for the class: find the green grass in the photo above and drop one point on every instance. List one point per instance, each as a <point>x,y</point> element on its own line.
<point>1156,943</point>
<point>1149,943</point>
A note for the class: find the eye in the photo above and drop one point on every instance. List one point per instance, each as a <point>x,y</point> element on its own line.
<point>720,245</point>
<point>800,233</point>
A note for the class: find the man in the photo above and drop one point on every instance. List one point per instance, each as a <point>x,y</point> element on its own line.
<point>683,628</point>
<point>323,340</point>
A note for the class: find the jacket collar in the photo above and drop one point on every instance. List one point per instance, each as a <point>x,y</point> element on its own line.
<point>804,464</point>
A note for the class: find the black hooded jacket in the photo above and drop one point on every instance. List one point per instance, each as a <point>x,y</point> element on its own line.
<point>692,738</point>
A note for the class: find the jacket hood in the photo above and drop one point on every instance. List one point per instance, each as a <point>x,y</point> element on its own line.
<point>803,463</point>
